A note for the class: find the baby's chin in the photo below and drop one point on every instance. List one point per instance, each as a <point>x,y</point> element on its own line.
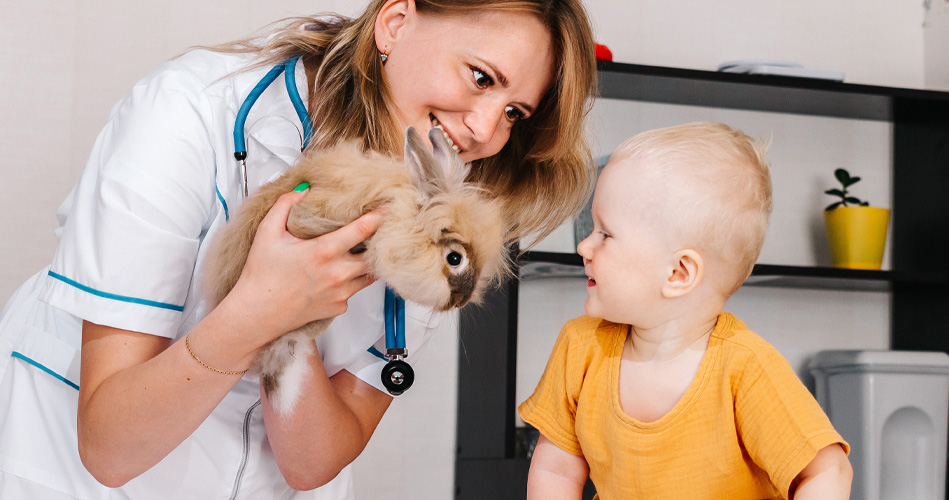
<point>595,310</point>
<point>591,308</point>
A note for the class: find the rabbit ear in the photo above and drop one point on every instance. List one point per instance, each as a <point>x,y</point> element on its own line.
<point>456,171</point>
<point>427,174</point>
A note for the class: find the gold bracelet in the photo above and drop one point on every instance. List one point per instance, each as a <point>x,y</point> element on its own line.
<point>209,367</point>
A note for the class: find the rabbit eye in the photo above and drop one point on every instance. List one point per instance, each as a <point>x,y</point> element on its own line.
<point>453,258</point>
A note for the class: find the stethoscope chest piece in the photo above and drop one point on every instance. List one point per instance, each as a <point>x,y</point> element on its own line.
<point>397,376</point>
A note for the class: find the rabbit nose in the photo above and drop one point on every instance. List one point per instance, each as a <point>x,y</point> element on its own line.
<point>462,287</point>
<point>459,300</point>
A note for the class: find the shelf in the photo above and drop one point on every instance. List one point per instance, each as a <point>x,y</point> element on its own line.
<point>821,278</point>
<point>754,92</point>
<point>536,265</point>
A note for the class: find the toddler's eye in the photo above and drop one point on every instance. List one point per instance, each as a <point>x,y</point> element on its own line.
<point>513,114</point>
<point>482,80</point>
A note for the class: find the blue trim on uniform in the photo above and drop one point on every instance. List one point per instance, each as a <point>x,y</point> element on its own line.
<point>375,352</point>
<point>121,298</point>
<point>45,369</point>
<point>223,203</point>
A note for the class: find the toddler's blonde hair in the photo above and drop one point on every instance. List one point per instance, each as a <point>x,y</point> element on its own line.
<point>719,186</point>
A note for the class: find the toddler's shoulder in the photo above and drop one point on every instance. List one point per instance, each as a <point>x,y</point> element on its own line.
<point>737,336</point>
<point>585,339</point>
<point>745,350</point>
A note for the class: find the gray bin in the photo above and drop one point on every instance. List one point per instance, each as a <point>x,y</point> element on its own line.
<point>891,406</point>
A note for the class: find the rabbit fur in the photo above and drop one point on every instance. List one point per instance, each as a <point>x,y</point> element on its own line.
<point>431,212</point>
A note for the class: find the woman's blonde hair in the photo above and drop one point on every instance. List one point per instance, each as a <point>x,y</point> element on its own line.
<point>542,174</point>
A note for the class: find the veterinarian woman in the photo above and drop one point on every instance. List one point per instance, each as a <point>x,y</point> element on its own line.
<point>158,394</point>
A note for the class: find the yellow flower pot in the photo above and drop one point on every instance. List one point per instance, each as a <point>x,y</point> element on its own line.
<point>857,236</point>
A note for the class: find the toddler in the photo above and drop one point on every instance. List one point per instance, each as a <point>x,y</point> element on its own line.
<point>657,393</point>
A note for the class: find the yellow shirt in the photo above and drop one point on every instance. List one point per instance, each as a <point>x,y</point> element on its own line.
<point>744,429</point>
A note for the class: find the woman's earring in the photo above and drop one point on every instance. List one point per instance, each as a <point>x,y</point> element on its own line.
<point>383,57</point>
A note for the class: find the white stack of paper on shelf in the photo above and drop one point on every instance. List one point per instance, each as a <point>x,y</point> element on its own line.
<point>778,68</point>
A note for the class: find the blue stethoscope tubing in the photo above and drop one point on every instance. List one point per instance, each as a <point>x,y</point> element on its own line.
<point>289,70</point>
<point>397,375</point>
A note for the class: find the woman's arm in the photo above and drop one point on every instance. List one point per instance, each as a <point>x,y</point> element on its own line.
<point>140,397</point>
<point>328,427</point>
<point>555,474</point>
<point>827,477</point>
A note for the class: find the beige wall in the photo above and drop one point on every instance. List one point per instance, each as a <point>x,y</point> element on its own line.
<point>64,63</point>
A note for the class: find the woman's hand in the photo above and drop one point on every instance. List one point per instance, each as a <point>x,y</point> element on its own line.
<point>288,282</point>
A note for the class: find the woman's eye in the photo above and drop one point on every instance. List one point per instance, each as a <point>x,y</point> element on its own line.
<point>482,80</point>
<point>513,114</point>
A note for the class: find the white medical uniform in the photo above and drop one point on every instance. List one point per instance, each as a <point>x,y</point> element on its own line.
<point>160,182</point>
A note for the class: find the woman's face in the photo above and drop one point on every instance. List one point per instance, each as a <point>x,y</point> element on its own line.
<point>472,75</point>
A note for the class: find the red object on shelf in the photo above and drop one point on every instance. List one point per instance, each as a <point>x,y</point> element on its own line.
<point>603,53</point>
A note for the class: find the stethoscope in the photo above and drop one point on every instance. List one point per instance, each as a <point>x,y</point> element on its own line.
<point>397,375</point>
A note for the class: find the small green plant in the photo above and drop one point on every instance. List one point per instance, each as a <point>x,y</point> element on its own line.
<point>846,199</point>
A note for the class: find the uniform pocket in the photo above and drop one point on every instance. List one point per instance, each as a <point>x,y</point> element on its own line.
<point>49,355</point>
<point>38,411</point>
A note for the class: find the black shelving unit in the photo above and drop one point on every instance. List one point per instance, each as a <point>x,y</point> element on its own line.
<point>488,464</point>
<point>534,265</point>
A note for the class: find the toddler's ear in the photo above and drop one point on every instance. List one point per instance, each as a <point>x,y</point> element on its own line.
<point>684,275</point>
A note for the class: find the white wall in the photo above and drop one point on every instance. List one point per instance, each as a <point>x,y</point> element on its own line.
<point>936,33</point>
<point>64,63</point>
<point>874,41</point>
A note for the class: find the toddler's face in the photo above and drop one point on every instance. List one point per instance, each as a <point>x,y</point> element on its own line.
<point>627,255</point>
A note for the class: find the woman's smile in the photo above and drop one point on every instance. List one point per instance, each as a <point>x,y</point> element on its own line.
<point>451,141</point>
